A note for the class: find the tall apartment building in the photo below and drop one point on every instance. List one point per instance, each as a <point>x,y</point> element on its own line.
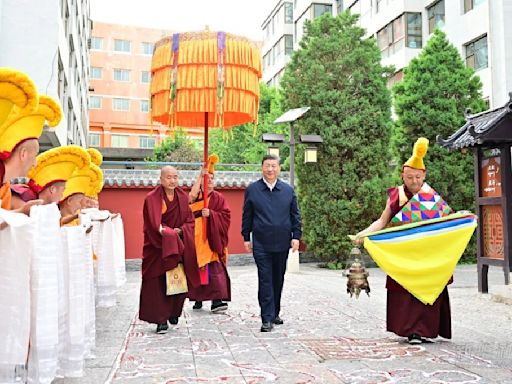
<point>48,40</point>
<point>120,78</point>
<point>478,28</point>
<point>283,29</point>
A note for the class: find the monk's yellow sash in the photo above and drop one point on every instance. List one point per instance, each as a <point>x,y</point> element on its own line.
<point>203,251</point>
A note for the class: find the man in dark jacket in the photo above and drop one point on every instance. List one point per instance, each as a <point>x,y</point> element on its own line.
<point>271,214</point>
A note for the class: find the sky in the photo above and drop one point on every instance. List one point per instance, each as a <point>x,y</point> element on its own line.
<point>241,17</point>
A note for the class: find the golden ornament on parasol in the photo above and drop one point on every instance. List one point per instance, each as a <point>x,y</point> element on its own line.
<point>205,79</point>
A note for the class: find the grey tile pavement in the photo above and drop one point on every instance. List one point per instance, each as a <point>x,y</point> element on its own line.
<point>327,337</point>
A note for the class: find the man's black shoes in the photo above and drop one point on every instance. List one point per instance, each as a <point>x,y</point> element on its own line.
<point>219,306</point>
<point>266,326</point>
<point>161,328</point>
<point>173,320</point>
<point>198,305</point>
<point>278,321</point>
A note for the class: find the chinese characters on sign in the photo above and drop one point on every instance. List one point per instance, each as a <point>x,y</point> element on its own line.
<point>490,177</point>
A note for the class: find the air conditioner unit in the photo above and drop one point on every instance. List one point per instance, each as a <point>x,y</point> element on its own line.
<point>89,43</point>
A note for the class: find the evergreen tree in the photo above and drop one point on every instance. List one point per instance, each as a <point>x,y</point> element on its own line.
<point>431,100</point>
<point>337,72</point>
<point>178,147</point>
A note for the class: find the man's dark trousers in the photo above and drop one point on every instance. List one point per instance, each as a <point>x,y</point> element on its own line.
<point>271,269</point>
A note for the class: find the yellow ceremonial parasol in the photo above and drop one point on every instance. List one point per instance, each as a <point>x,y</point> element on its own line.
<point>205,79</point>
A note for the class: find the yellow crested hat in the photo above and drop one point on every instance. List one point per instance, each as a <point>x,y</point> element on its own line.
<point>96,156</point>
<point>96,183</point>
<point>79,181</point>
<point>418,153</point>
<point>17,90</point>
<point>212,160</point>
<point>24,124</point>
<point>57,164</point>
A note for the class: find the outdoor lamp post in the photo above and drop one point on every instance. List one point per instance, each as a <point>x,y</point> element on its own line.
<point>291,116</point>
<point>312,141</point>
<point>274,139</point>
<point>311,151</point>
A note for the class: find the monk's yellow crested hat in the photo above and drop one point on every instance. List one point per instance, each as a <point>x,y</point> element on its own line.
<point>79,181</point>
<point>96,156</point>
<point>17,91</point>
<point>57,164</point>
<point>96,182</point>
<point>212,160</point>
<point>418,153</point>
<point>24,124</point>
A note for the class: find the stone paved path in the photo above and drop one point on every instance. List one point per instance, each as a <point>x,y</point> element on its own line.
<point>326,338</point>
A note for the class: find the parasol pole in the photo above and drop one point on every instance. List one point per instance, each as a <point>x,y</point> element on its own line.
<point>205,177</point>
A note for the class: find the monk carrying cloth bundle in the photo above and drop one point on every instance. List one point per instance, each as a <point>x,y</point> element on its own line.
<point>176,281</point>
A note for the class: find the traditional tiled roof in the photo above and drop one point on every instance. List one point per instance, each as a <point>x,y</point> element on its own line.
<point>150,178</point>
<point>476,128</point>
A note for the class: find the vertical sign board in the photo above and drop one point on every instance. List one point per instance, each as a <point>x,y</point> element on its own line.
<point>492,215</point>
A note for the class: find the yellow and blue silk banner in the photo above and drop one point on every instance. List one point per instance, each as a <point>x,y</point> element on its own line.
<point>422,256</point>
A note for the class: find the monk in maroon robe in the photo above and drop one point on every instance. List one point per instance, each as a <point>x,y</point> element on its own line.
<point>212,251</point>
<point>406,315</point>
<point>168,241</point>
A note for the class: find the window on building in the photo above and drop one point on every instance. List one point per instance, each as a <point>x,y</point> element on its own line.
<point>277,78</point>
<point>119,104</point>
<point>391,38</point>
<point>470,4</point>
<point>72,56</point>
<point>94,139</point>
<point>384,39</point>
<point>436,16</point>
<point>278,49</point>
<point>61,82</point>
<point>147,142</point>
<point>145,77</point>
<point>288,13</point>
<point>378,6</point>
<point>414,36</point>
<point>122,74</point>
<point>119,141</point>
<point>144,106</point>
<point>299,25</point>
<point>122,45</point>
<point>320,9</point>
<point>147,48</point>
<point>97,43</point>
<point>339,6</point>
<point>476,54</point>
<point>288,45</point>
<point>95,73</point>
<point>95,102</point>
